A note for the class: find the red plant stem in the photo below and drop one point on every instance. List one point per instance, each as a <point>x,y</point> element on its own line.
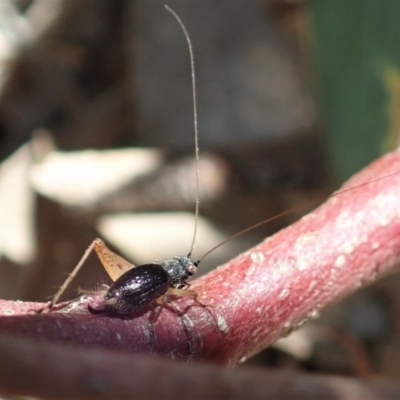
<point>262,294</point>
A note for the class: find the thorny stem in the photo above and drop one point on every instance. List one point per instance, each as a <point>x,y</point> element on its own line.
<point>262,294</point>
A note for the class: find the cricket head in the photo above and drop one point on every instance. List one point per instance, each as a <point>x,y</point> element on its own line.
<point>179,269</point>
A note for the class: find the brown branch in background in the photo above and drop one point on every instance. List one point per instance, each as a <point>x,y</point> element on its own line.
<point>261,295</point>
<point>34,369</point>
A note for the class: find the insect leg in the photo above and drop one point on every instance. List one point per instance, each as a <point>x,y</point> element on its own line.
<point>72,274</point>
<point>101,291</point>
<point>162,302</point>
<point>185,320</point>
<point>185,292</point>
<point>114,264</point>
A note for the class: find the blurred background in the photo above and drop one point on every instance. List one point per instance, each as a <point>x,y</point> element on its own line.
<point>96,139</point>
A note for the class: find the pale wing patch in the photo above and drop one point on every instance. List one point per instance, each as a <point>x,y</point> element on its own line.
<point>114,264</point>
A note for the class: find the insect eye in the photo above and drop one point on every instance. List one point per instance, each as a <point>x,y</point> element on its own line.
<point>191,269</point>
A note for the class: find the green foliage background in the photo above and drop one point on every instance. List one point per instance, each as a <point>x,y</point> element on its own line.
<point>356,44</point>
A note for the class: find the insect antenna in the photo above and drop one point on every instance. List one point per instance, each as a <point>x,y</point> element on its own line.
<point>286,212</point>
<point>263,222</point>
<point>196,132</point>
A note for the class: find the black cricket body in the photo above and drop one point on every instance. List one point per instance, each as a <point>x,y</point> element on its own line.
<point>143,285</point>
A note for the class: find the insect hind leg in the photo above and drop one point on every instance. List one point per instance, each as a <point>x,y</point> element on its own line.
<point>171,292</point>
<point>193,342</point>
<point>71,276</point>
<point>103,253</point>
<point>164,300</point>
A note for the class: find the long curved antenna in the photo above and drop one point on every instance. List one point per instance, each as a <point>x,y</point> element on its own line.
<point>290,210</point>
<point>196,132</point>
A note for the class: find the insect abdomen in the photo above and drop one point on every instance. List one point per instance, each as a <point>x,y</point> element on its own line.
<point>142,284</point>
<point>135,289</point>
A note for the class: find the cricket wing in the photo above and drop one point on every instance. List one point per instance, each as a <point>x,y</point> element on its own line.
<point>114,264</point>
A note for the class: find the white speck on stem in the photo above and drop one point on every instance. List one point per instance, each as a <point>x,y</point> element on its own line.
<point>284,293</point>
<point>303,264</point>
<point>303,240</point>
<point>222,324</point>
<point>348,247</point>
<point>257,257</point>
<point>340,261</point>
